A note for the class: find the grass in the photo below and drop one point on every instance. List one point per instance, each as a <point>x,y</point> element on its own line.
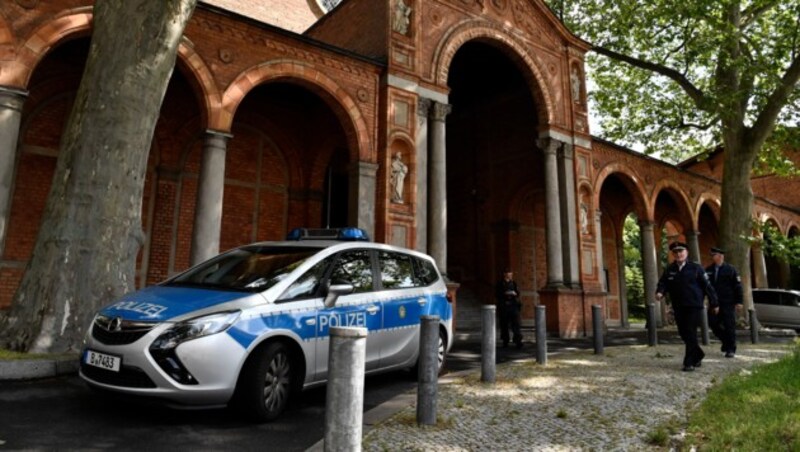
<point>8,355</point>
<point>755,411</point>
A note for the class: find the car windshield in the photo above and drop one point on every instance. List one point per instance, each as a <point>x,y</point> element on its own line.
<point>248,269</point>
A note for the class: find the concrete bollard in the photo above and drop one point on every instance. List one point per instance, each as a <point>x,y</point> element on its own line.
<point>704,325</point>
<point>488,339</point>
<point>597,328</point>
<point>344,402</point>
<point>652,335</point>
<point>541,335</point>
<point>428,380</point>
<point>753,326</point>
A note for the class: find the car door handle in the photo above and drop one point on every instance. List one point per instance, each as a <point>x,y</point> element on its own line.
<point>372,309</point>
<point>311,321</point>
<point>422,301</point>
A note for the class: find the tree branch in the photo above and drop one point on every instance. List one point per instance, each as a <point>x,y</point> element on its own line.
<point>752,14</point>
<point>775,103</point>
<point>692,91</point>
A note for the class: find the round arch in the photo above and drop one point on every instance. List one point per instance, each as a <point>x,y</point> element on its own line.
<point>684,214</point>
<point>307,76</point>
<point>498,37</point>
<point>630,179</point>
<point>706,199</point>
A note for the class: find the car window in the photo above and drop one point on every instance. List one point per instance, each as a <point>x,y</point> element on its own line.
<point>397,270</point>
<point>354,267</point>
<point>252,269</point>
<point>307,285</point>
<point>788,299</point>
<point>426,271</point>
<point>766,297</point>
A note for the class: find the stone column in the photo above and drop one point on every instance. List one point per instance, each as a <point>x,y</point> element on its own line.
<point>598,235</point>
<point>437,196</point>
<point>362,196</point>
<point>210,188</point>
<point>649,261</point>
<point>569,221</point>
<point>423,111</point>
<point>623,288</point>
<point>11,101</point>
<point>759,268</point>
<point>555,265</point>
<point>694,245</point>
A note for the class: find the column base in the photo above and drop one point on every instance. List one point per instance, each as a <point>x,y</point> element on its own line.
<point>566,312</point>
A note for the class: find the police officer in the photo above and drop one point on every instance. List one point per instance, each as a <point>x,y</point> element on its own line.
<point>728,285</point>
<point>686,283</point>
<point>508,307</point>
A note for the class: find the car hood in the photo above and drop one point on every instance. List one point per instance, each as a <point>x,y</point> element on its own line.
<point>162,303</point>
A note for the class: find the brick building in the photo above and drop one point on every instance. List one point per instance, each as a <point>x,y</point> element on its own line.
<point>293,117</point>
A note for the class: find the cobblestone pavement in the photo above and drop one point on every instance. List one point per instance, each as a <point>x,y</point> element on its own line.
<point>578,401</point>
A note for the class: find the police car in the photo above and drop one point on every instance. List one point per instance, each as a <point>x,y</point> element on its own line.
<point>250,327</point>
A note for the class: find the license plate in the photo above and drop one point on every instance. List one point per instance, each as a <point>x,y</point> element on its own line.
<point>103,361</point>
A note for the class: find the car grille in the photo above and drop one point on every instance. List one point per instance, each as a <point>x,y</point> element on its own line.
<point>128,376</point>
<point>111,331</point>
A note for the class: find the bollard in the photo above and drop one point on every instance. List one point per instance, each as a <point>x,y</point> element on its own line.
<point>753,326</point>
<point>488,339</point>
<point>344,402</point>
<point>652,335</point>
<point>704,325</point>
<point>597,328</point>
<point>541,335</point>
<point>428,369</point>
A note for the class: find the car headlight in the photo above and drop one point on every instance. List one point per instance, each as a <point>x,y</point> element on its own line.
<point>194,328</point>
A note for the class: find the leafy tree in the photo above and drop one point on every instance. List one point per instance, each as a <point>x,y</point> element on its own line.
<point>632,256</point>
<point>85,253</point>
<point>698,75</point>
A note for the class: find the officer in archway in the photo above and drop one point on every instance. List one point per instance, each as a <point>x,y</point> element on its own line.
<point>508,308</point>
<point>728,285</point>
<point>687,284</point>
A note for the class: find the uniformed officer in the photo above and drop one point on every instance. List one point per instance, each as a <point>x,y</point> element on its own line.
<point>686,283</point>
<point>508,308</point>
<point>728,285</point>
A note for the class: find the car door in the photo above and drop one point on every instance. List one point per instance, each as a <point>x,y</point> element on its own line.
<point>358,309</point>
<point>768,306</point>
<point>404,301</point>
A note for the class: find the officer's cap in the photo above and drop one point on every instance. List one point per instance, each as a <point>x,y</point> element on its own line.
<point>677,246</point>
<point>717,251</point>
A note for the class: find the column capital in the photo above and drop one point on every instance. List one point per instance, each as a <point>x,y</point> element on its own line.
<point>424,106</point>
<point>364,168</point>
<point>211,133</point>
<point>566,151</point>
<point>549,145</point>
<point>12,98</point>
<point>439,111</point>
<point>646,224</point>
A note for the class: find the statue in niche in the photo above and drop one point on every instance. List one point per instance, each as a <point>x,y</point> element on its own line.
<point>575,85</point>
<point>399,171</point>
<point>402,17</point>
<point>584,219</point>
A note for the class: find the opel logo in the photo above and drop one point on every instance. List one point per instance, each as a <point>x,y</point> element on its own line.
<point>115,325</point>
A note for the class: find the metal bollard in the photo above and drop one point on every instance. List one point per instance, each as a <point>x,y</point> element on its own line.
<point>652,335</point>
<point>597,328</point>
<point>541,335</point>
<point>753,326</point>
<point>704,325</point>
<point>428,369</point>
<point>488,339</point>
<point>344,402</point>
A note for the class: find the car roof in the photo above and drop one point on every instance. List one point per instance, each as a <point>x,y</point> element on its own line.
<point>796,292</point>
<point>339,244</point>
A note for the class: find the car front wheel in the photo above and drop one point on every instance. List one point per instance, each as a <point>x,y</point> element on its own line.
<point>266,383</point>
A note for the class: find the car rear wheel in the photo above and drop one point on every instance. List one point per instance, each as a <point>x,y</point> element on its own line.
<point>266,383</point>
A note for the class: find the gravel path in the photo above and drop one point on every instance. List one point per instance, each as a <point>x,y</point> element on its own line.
<point>578,401</point>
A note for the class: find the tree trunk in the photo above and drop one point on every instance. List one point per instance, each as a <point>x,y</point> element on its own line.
<point>737,210</point>
<point>85,253</point>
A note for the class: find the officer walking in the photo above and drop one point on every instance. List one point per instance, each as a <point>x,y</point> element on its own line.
<point>728,285</point>
<point>508,308</point>
<point>686,283</point>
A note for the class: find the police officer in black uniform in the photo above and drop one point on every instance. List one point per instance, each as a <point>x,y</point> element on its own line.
<point>508,308</point>
<point>728,285</point>
<point>686,283</point>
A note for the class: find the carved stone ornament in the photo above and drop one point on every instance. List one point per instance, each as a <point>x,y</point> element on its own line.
<point>401,17</point>
<point>226,56</point>
<point>362,95</point>
<point>398,177</point>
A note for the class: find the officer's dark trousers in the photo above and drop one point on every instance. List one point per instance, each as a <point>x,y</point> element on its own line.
<point>723,324</point>
<point>509,317</point>
<point>688,320</point>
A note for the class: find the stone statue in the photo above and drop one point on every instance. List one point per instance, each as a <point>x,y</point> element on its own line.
<point>584,219</point>
<point>399,171</point>
<point>402,17</point>
<point>575,84</point>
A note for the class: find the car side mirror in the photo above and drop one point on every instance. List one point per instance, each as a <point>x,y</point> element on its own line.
<point>335,290</point>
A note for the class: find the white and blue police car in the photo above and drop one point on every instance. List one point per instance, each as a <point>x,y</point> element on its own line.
<point>250,327</point>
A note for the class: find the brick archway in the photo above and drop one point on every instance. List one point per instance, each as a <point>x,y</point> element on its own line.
<point>342,105</point>
<point>706,199</point>
<point>498,37</point>
<point>631,180</point>
<point>672,189</point>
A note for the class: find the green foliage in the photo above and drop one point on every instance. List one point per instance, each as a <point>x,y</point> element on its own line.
<point>775,244</point>
<point>695,71</point>
<point>632,256</point>
<point>757,411</point>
